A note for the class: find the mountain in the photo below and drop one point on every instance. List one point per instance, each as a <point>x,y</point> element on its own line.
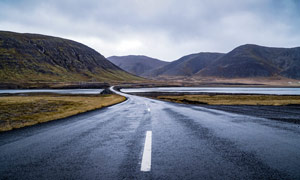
<point>138,65</point>
<point>249,61</point>
<point>187,65</point>
<point>40,58</point>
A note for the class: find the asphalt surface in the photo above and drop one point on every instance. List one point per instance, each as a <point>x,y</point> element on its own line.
<point>289,113</point>
<point>188,142</point>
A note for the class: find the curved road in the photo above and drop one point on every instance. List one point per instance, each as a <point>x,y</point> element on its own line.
<point>187,142</point>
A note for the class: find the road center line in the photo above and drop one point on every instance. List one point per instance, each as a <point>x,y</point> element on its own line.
<point>146,160</point>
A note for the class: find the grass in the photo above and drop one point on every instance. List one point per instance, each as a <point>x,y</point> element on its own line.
<point>273,100</point>
<point>33,58</point>
<point>20,111</point>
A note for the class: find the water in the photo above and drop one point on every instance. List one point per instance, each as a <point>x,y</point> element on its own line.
<point>234,90</point>
<point>59,91</point>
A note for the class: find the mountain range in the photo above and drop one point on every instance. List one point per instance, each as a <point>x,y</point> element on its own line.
<point>246,61</point>
<point>138,65</point>
<point>256,61</point>
<point>40,58</point>
<point>186,66</point>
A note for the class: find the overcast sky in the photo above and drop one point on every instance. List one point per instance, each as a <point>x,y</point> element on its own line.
<point>163,29</point>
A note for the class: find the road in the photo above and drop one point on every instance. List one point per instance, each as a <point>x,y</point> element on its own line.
<point>184,142</point>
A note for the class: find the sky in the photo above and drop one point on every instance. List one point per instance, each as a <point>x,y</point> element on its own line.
<point>163,29</point>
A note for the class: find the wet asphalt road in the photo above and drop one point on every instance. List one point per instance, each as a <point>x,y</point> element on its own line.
<point>188,142</point>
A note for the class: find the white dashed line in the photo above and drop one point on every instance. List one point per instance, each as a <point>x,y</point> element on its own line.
<point>146,160</point>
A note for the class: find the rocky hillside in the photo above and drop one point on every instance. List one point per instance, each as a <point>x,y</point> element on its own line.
<point>256,61</point>
<point>138,65</point>
<point>187,65</point>
<point>246,61</point>
<point>39,58</point>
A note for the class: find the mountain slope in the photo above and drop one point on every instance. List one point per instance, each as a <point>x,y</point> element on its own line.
<point>248,61</point>
<point>187,65</point>
<point>138,65</point>
<point>39,58</point>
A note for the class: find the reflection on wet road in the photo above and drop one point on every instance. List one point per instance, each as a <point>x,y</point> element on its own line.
<point>187,142</point>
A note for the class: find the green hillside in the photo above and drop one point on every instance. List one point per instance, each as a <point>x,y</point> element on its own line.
<point>29,58</point>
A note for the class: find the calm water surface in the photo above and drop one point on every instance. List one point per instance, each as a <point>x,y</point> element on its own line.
<point>59,91</point>
<point>275,91</point>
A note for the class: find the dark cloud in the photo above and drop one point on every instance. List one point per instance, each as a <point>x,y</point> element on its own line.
<point>165,29</point>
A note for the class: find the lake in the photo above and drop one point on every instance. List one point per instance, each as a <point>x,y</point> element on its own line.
<point>231,90</point>
<point>59,91</point>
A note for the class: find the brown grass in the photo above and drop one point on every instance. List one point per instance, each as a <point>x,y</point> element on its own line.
<point>20,111</point>
<point>274,100</point>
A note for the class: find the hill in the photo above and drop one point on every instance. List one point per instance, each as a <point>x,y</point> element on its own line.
<point>138,65</point>
<point>40,58</point>
<point>187,65</point>
<point>249,61</point>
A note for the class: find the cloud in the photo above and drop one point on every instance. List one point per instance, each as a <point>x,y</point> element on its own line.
<point>165,29</point>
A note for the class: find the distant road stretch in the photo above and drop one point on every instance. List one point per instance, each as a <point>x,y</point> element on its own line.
<point>143,138</point>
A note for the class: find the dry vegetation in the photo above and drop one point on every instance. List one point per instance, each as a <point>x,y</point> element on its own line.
<point>20,111</point>
<point>224,82</point>
<point>234,99</point>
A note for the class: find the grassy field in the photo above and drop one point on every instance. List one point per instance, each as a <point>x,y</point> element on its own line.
<point>20,111</point>
<point>233,99</point>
